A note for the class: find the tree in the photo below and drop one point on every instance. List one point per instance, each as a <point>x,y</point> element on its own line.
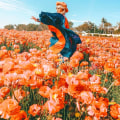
<point>70,24</point>
<point>87,27</point>
<point>118,25</point>
<point>31,27</point>
<point>83,27</point>
<point>44,27</point>
<point>107,26</point>
<point>21,27</point>
<point>102,26</point>
<point>9,27</point>
<point>117,28</point>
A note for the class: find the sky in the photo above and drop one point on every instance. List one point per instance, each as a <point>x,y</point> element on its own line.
<point>80,11</point>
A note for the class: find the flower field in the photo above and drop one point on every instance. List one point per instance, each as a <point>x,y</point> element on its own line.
<point>36,84</point>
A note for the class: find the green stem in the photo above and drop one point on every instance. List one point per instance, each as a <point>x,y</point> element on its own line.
<point>64,113</point>
<point>110,86</point>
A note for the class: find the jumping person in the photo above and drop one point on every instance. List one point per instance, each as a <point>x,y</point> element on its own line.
<point>64,40</point>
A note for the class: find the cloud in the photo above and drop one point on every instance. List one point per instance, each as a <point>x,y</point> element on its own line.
<point>17,11</point>
<point>74,15</point>
<point>79,21</point>
<point>7,6</point>
<point>15,5</point>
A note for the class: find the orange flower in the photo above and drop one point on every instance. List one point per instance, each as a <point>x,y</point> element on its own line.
<point>52,106</point>
<point>117,82</point>
<point>39,72</point>
<point>27,65</point>
<point>19,94</point>
<point>17,50</point>
<point>76,85</point>
<point>8,66</point>
<point>52,72</point>
<point>22,42</point>
<point>116,73</point>
<point>84,63</point>
<point>62,81</point>
<point>2,77</point>
<point>4,91</point>
<point>16,46</point>
<point>95,79</point>
<point>57,95</point>
<point>56,102</point>
<point>3,54</point>
<point>83,75</point>
<point>44,49</point>
<point>32,81</point>
<point>115,110</point>
<point>1,100</point>
<point>74,62</point>
<point>74,90</point>
<point>44,91</point>
<point>86,97</point>
<point>8,108</point>
<point>97,88</point>
<point>20,116</point>
<point>56,118</point>
<point>3,48</point>
<point>32,50</point>
<point>88,118</point>
<point>77,55</point>
<point>34,110</point>
<point>10,78</point>
<point>109,66</point>
<point>64,67</point>
<point>102,106</point>
<point>91,58</point>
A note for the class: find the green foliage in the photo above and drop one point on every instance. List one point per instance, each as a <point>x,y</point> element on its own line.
<point>113,91</point>
<point>88,27</point>
<point>9,27</point>
<point>32,98</point>
<point>86,58</point>
<point>23,47</point>
<point>28,27</point>
<point>21,27</point>
<point>31,27</point>
<point>117,31</point>
<point>70,24</point>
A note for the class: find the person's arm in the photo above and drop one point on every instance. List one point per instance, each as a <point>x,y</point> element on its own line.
<point>35,19</point>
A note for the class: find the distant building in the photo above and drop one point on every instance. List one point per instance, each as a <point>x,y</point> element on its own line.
<point>84,33</point>
<point>116,27</point>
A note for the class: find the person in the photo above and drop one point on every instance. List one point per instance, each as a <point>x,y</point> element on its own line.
<point>64,40</point>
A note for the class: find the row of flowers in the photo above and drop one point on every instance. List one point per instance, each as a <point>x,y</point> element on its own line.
<point>37,84</point>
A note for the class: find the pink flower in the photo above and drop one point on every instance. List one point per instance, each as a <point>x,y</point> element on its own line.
<point>86,97</point>
<point>95,79</point>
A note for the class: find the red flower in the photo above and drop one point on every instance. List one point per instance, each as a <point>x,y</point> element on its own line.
<point>34,109</point>
<point>115,110</point>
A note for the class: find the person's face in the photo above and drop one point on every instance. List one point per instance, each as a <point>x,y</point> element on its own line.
<point>60,10</point>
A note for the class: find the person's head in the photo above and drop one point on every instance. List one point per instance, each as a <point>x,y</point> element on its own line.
<point>61,8</point>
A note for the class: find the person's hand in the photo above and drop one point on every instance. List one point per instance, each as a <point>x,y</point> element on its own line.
<point>35,19</point>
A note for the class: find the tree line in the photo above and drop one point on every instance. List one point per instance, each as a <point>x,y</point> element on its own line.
<point>30,27</point>
<point>105,27</point>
